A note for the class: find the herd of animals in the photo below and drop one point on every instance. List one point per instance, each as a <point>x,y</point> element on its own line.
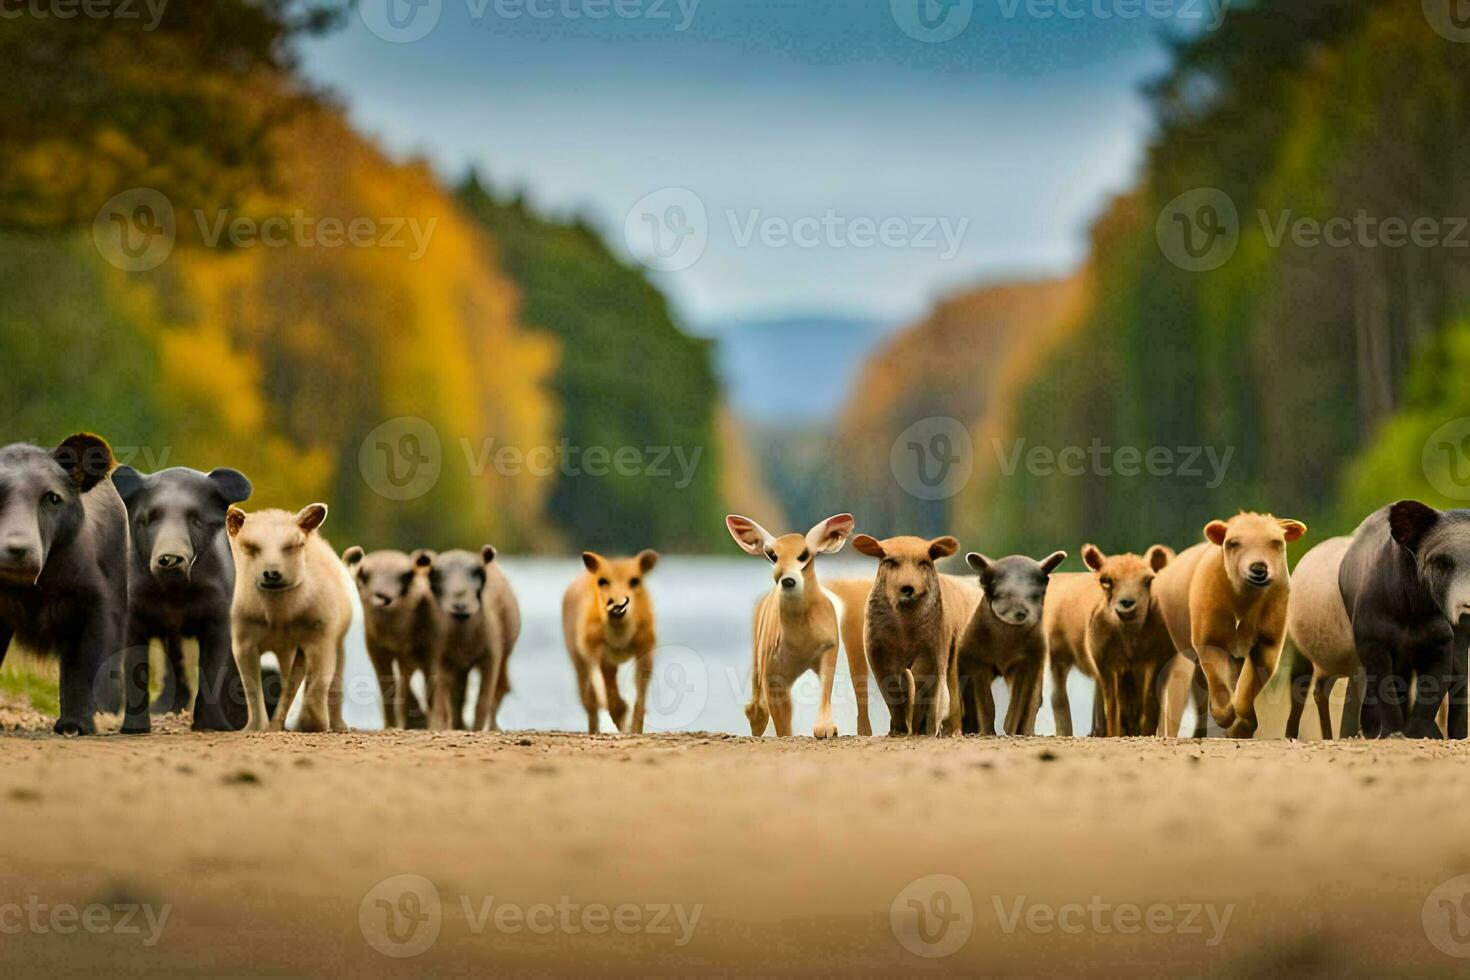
<point>99,560</point>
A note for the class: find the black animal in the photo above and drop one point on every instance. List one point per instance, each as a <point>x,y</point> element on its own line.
<point>64,566</point>
<point>1405,583</point>
<point>181,582</point>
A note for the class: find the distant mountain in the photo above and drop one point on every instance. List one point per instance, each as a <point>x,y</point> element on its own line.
<point>793,370</point>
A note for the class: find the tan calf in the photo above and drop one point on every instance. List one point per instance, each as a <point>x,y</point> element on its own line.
<point>1224,601</point>
<point>1107,621</point>
<point>1318,625</point>
<point>400,624</point>
<point>799,623</point>
<point>291,597</point>
<point>607,619</point>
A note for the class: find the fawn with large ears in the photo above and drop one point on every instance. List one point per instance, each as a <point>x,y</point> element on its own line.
<point>64,569</point>
<point>1107,620</point>
<point>1004,638</point>
<point>401,626</point>
<point>1405,582</point>
<point>291,597</point>
<point>799,623</point>
<point>607,620</point>
<point>912,628</point>
<point>1224,601</point>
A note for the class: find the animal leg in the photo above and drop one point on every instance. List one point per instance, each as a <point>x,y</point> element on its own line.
<point>643,674</point>
<point>388,687</point>
<point>247,659</point>
<point>1351,725</point>
<point>588,691</point>
<point>616,704</point>
<point>320,664</point>
<point>1302,676</point>
<point>827,669</point>
<point>857,666</point>
<point>293,669</point>
<point>778,700</point>
<point>217,704</point>
<point>1322,694</point>
<point>1382,713</point>
<point>135,681</point>
<point>459,690</point>
<point>334,691</point>
<point>1061,703</point>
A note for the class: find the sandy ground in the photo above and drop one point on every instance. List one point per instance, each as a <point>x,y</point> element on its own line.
<point>534,853</point>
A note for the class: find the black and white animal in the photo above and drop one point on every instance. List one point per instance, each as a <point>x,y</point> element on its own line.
<point>1405,582</point>
<point>64,567</point>
<point>180,584</point>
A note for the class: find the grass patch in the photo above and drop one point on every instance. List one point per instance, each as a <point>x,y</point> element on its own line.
<point>37,680</point>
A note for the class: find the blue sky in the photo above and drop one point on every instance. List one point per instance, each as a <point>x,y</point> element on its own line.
<point>775,114</point>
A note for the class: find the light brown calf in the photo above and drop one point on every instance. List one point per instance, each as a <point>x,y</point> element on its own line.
<point>291,597</point>
<point>1224,601</point>
<point>607,620</point>
<point>799,623</point>
<point>400,625</point>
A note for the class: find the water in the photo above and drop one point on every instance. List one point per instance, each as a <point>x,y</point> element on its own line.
<point>702,666</point>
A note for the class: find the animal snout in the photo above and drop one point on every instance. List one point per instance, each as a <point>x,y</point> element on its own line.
<point>382,600</point>
<point>169,561</point>
<point>272,578</point>
<point>1259,573</point>
<point>788,582</point>
<point>907,591</point>
<point>1127,604</point>
<point>620,608</point>
<point>17,552</point>
<point>461,610</point>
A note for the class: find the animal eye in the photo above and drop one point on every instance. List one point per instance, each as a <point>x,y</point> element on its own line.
<point>52,497</point>
<point>405,579</point>
<point>1444,562</point>
<point>602,582</point>
<point>771,554</point>
<point>633,583</point>
<point>1232,544</point>
<point>1106,583</point>
<point>804,556</point>
<point>926,563</point>
<point>362,577</point>
<point>251,551</point>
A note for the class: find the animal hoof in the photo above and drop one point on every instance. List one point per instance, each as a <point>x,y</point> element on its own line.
<point>73,727</point>
<point>136,728</point>
<point>825,731</point>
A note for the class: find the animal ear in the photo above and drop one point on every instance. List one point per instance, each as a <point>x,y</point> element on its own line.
<point>752,538</point>
<point>352,556</point>
<point>230,484</point>
<point>86,458</point>
<point>310,517</point>
<point>829,536</point>
<point>1050,562</point>
<point>1215,532</point>
<point>1292,529</point>
<point>488,553</point>
<point>980,564</point>
<point>423,559</point>
<point>127,481</point>
<point>943,547</point>
<point>1093,557</point>
<point>647,558</point>
<point>1159,556</point>
<point>234,520</point>
<point>868,545</point>
<point>592,560</point>
<point>1409,521</point>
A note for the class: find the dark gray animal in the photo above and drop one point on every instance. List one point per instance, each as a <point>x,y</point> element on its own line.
<point>180,583</point>
<point>1004,638</point>
<point>1405,583</point>
<point>480,622</point>
<point>64,566</point>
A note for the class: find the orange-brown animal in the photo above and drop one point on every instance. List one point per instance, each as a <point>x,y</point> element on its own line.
<point>1107,620</point>
<point>912,628</point>
<point>607,619</point>
<point>799,623</point>
<point>1224,601</point>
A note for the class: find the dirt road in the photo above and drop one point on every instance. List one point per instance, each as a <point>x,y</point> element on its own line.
<point>545,853</point>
